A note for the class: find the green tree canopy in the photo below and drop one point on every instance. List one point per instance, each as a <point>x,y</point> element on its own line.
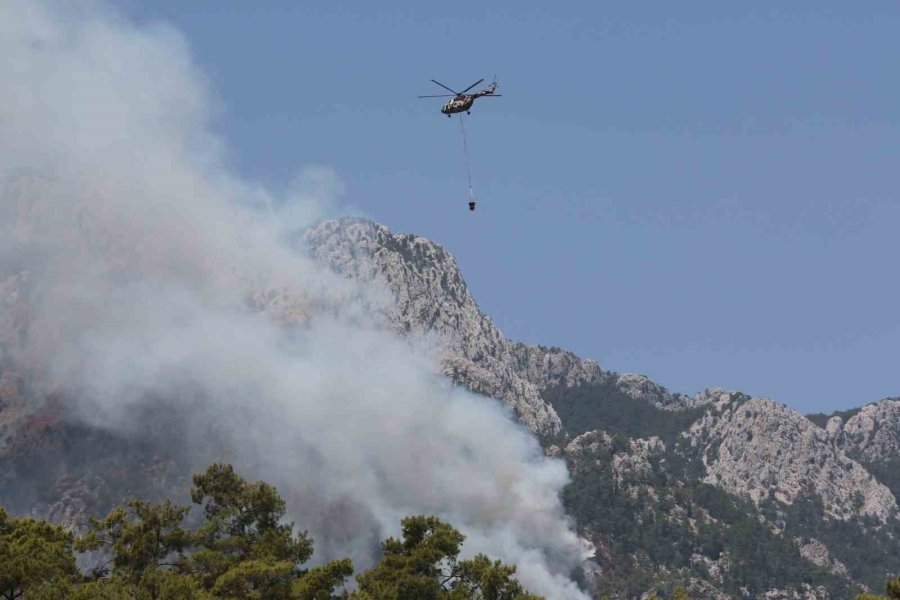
<point>242,550</point>
<point>245,550</point>
<point>141,537</point>
<point>424,565</point>
<point>36,558</point>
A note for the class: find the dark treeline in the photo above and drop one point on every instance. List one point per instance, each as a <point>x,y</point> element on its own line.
<point>242,549</point>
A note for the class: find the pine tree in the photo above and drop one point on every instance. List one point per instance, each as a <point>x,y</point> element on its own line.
<point>37,559</point>
<point>424,565</point>
<point>243,550</point>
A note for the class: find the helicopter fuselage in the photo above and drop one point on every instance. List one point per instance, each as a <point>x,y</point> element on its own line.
<point>462,102</point>
<point>458,104</point>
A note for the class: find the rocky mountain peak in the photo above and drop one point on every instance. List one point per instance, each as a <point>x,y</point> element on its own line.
<point>873,433</point>
<point>429,295</point>
<point>642,387</point>
<point>761,449</point>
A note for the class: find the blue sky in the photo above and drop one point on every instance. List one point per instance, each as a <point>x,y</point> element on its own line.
<point>703,192</point>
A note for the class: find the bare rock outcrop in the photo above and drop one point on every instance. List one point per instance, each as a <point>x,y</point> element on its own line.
<point>431,297</point>
<point>806,592</point>
<point>817,553</point>
<point>428,295</point>
<point>760,449</point>
<point>642,387</point>
<point>872,434</point>
<point>596,445</point>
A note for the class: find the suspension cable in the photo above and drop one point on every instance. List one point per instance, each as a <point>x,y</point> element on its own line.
<point>462,128</point>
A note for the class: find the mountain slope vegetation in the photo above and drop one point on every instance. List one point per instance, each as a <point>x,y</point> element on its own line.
<point>707,493</point>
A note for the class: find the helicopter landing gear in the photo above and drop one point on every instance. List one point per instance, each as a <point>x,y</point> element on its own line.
<point>468,113</point>
<point>448,116</point>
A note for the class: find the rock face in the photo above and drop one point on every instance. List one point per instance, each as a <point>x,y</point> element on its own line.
<point>806,592</point>
<point>594,446</point>
<point>755,447</point>
<point>641,387</point>
<point>429,296</point>
<point>872,434</point>
<point>818,554</point>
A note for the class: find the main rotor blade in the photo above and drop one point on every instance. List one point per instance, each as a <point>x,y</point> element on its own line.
<point>491,96</point>
<point>445,87</point>
<point>439,96</point>
<point>471,86</point>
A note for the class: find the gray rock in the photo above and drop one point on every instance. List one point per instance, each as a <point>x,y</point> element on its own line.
<point>431,297</point>
<point>817,553</point>
<point>757,448</point>
<point>806,592</point>
<point>872,434</point>
<point>641,387</point>
<point>428,295</point>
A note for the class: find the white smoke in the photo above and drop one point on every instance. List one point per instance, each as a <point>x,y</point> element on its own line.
<point>159,281</point>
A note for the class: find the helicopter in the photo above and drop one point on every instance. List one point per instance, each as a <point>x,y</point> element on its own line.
<point>461,100</point>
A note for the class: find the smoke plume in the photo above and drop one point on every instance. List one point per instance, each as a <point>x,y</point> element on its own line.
<point>160,283</point>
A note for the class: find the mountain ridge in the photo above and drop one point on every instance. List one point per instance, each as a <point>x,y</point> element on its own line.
<point>431,296</point>
<point>792,461</point>
<point>665,485</point>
